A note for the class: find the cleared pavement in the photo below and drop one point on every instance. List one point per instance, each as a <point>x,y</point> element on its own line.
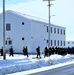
<point>59,69</point>
<point>65,70</point>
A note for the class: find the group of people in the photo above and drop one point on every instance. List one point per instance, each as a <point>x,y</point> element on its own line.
<point>11,52</point>
<point>47,52</point>
<point>54,50</point>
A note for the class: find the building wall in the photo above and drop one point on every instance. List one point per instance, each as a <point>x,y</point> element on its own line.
<point>40,35</point>
<point>32,34</point>
<point>58,36</point>
<point>17,32</point>
<point>69,44</point>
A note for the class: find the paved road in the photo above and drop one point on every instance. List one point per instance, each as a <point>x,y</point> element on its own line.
<point>52,70</point>
<point>66,70</point>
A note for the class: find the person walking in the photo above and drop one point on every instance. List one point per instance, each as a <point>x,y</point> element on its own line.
<point>46,52</point>
<point>11,51</point>
<point>25,51</point>
<point>38,52</point>
<point>2,51</point>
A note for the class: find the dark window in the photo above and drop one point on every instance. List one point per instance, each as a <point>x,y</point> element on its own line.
<point>58,31</point>
<point>51,42</point>
<point>47,41</point>
<point>44,25</point>
<point>47,29</point>
<point>64,43</point>
<point>51,29</point>
<point>58,42</point>
<point>61,31</point>
<point>44,39</point>
<point>68,42</point>
<point>22,23</point>
<point>8,27</point>
<point>64,32</point>
<point>31,37</point>
<point>54,30</point>
<point>9,42</point>
<point>5,42</point>
<point>54,42</point>
<point>23,38</point>
<point>61,43</point>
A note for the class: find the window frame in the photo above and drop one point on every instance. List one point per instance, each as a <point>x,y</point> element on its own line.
<point>8,26</point>
<point>55,30</point>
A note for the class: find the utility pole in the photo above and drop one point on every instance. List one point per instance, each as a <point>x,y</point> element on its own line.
<point>49,23</point>
<point>4,52</point>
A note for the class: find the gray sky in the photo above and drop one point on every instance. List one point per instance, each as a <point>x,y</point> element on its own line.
<point>62,9</point>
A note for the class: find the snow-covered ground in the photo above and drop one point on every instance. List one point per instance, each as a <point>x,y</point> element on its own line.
<point>22,63</point>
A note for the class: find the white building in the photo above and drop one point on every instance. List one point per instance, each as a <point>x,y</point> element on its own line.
<point>70,44</point>
<point>23,31</point>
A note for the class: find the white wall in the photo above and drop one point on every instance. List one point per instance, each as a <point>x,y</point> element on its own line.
<point>34,32</point>
<point>18,31</point>
<point>39,35</point>
<point>69,44</point>
<point>56,36</point>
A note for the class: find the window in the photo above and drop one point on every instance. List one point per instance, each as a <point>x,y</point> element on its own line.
<point>51,42</point>
<point>58,42</point>
<point>47,41</point>
<point>23,38</point>
<point>22,23</point>
<point>44,39</point>
<point>61,43</point>
<point>31,37</point>
<point>54,30</point>
<point>58,31</point>
<point>64,43</point>
<point>44,25</point>
<point>47,29</point>
<point>54,42</point>
<point>8,27</point>
<point>68,42</point>
<point>51,29</point>
<point>6,42</point>
<point>64,32</point>
<point>61,31</point>
<point>9,42</point>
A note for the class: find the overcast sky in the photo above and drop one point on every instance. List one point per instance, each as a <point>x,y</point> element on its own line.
<point>62,9</point>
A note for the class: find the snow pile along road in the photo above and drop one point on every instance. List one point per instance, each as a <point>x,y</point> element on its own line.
<point>22,63</point>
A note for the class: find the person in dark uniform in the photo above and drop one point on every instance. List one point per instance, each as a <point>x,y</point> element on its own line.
<point>11,51</point>
<point>2,51</point>
<point>38,52</point>
<point>25,51</point>
<point>46,52</point>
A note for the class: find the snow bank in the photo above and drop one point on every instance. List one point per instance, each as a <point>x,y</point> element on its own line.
<point>22,63</point>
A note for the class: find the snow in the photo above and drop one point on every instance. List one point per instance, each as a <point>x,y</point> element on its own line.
<point>20,63</point>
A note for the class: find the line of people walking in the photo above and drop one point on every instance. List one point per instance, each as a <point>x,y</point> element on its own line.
<point>47,52</point>
<point>11,51</point>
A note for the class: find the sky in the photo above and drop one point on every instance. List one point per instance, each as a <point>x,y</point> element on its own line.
<point>62,9</point>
